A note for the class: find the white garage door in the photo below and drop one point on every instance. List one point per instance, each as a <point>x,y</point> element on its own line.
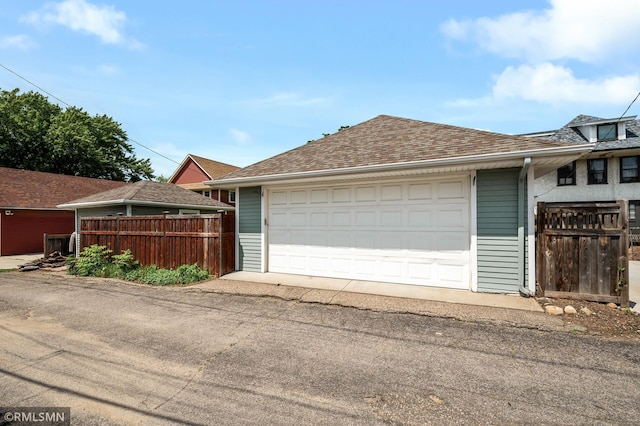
<point>411,232</point>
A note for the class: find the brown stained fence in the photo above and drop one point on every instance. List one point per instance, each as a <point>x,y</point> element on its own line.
<point>167,241</point>
<point>582,251</point>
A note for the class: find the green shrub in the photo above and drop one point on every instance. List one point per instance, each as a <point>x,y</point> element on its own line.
<point>124,263</point>
<point>99,262</point>
<point>93,260</point>
<point>185,274</point>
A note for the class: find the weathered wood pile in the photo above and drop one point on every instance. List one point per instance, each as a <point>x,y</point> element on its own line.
<point>54,260</point>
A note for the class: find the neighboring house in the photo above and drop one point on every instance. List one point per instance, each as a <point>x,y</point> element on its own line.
<point>194,170</point>
<point>143,198</point>
<point>28,209</point>
<point>400,201</point>
<point>610,172</point>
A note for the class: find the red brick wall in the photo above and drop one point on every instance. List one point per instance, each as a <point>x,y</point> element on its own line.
<point>23,231</point>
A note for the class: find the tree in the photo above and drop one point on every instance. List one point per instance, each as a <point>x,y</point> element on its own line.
<point>324,135</point>
<point>38,135</point>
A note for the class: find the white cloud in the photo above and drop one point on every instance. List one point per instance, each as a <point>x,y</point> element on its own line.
<point>552,84</point>
<point>19,41</point>
<point>109,69</point>
<point>588,31</point>
<point>241,138</point>
<point>103,21</point>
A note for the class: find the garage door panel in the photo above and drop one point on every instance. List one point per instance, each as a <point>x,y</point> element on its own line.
<point>455,243</point>
<point>341,266</point>
<point>319,195</point>
<point>391,193</point>
<point>404,232</point>
<point>365,219</point>
<point>297,219</point>
<point>449,190</point>
<point>420,218</point>
<point>365,241</point>
<point>318,264</point>
<point>420,191</point>
<point>422,242</point>
<point>364,194</point>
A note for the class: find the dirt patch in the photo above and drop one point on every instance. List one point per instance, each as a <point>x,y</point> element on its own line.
<point>603,320</point>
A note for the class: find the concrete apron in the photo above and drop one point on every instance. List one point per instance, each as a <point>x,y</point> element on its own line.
<point>13,261</point>
<point>509,301</point>
<point>384,289</point>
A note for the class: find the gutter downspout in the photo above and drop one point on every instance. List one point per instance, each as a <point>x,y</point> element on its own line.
<point>521,239</point>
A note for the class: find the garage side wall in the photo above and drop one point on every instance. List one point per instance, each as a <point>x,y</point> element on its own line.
<point>249,202</point>
<point>497,194</point>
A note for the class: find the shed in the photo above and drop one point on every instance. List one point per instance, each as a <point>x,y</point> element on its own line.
<point>28,201</point>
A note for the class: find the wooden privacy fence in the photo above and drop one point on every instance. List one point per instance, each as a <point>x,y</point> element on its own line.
<point>582,251</point>
<point>167,241</point>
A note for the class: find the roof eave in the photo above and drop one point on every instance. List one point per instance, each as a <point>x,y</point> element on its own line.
<point>91,204</point>
<point>606,121</point>
<point>574,151</point>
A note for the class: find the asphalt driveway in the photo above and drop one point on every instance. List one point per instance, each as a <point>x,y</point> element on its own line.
<point>119,353</point>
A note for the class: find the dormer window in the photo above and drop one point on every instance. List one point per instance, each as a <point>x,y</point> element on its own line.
<point>607,132</point>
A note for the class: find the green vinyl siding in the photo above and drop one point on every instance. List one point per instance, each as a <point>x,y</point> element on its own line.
<point>497,195</point>
<point>248,205</point>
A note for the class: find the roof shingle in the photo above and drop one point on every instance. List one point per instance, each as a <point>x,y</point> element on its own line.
<point>213,168</point>
<point>389,140</point>
<point>150,192</point>
<point>38,190</point>
<point>570,133</point>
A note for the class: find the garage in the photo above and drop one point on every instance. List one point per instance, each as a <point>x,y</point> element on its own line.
<point>399,201</point>
<point>413,231</point>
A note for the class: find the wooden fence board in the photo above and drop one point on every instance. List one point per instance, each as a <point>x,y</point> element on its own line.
<point>167,241</point>
<point>583,251</point>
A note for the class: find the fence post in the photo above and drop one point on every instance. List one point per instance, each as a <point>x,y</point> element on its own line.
<point>117,241</point>
<point>540,248</point>
<point>623,263</point>
<point>220,242</point>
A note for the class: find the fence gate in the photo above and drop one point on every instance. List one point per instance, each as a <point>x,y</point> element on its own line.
<point>582,251</point>
<point>167,241</point>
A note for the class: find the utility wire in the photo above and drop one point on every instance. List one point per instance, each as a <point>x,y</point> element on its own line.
<point>71,106</point>
<point>620,118</point>
<point>632,102</point>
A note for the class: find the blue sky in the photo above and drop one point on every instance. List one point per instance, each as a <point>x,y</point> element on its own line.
<point>240,81</point>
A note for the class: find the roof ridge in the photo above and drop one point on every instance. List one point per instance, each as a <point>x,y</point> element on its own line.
<point>135,189</point>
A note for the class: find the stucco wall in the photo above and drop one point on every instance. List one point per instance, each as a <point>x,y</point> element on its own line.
<point>547,190</point>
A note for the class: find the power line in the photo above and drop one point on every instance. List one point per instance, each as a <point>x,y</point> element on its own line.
<point>620,118</point>
<point>71,106</point>
<point>632,102</point>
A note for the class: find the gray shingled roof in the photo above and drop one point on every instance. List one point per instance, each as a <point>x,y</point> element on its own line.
<point>570,133</point>
<point>149,192</point>
<point>389,140</point>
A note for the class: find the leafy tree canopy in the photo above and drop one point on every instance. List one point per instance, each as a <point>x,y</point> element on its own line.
<point>38,135</point>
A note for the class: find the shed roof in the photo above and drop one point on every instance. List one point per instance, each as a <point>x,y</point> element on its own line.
<point>147,192</point>
<point>26,189</point>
